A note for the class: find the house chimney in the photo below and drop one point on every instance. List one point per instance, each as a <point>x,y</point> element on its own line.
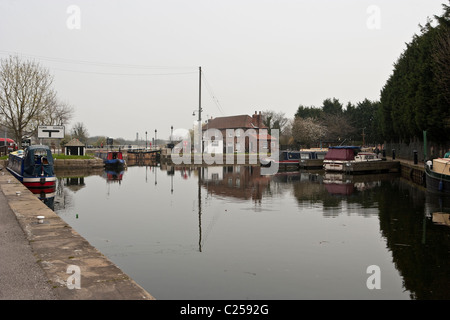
<point>257,119</point>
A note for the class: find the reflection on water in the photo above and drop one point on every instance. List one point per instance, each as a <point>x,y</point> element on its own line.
<point>226,232</point>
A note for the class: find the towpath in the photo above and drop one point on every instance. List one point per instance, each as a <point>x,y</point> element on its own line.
<point>50,260</point>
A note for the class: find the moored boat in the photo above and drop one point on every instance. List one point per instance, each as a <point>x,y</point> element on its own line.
<point>111,158</point>
<point>337,158</point>
<point>351,159</point>
<point>287,161</point>
<point>33,166</point>
<point>312,158</point>
<point>437,174</point>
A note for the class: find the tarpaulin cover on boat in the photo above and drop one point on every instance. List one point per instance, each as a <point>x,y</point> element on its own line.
<point>341,153</point>
<point>38,160</point>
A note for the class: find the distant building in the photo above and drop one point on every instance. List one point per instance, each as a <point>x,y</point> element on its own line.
<point>232,141</point>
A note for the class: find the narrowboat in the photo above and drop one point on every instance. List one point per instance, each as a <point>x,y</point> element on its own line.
<point>312,158</point>
<point>111,158</point>
<point>287,161</point>
<point>437,173</point>
<point>33,166</point>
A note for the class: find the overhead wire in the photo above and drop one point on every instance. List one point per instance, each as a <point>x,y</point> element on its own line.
<point>173,70</point>
<point>94,63</point>
<point>127,74</point>
<point>176,70</point>
<point>213,96</point>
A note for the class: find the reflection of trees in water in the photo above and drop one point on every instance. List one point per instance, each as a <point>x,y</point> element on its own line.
<point>332,192</point>
<point>420,249</point>
<point>63,200</point>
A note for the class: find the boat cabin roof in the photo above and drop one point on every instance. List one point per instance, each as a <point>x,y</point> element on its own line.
<point>345,147</point>
<point>289,155</point>
<point>37,151</point>
<point>342,153</point>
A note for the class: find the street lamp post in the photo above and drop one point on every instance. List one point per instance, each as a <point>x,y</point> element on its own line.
<point>145,140</point>
<point>155,137</point>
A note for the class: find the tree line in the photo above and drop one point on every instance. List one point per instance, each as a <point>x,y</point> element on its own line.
<point>415,98</point>
<point>329,124</point>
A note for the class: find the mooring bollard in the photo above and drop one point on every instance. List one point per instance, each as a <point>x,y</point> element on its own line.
<point>415,157</point>
<point>393,154</point>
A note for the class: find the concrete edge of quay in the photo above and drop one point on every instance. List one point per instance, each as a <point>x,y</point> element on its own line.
<point>59,250</point>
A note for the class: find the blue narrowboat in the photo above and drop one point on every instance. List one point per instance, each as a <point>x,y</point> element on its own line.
<point>33,166</point>
<point>287,161</point>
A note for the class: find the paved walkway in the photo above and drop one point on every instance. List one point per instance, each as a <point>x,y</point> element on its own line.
<point>20,275</point>
<point>36,259</point>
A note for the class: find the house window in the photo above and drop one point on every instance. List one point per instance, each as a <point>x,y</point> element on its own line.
<point>230,147</point>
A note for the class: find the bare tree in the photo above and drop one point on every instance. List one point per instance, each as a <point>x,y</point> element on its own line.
<point>338,127</point>
<point>275,120</point>
<point>25,95</point>
<point>59,114</point>
<point>79,131</point>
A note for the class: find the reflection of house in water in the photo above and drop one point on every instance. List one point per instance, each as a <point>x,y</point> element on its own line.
<point>243,182</point>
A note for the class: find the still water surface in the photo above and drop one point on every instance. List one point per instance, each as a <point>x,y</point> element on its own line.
<point>230,233</point>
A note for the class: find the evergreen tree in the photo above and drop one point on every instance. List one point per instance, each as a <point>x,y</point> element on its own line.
<point>413,98</point>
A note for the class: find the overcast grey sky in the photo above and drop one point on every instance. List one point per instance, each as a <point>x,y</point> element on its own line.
<point>132,66</point>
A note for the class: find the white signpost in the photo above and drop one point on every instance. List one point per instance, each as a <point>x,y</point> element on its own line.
<point>55,132</point>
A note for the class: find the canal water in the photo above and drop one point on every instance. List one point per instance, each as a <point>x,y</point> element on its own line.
<point>231,233</point>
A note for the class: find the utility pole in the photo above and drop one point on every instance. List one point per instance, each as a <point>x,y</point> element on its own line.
<point>363,136</point>
<point>199,153</point>
<point>200,95</point>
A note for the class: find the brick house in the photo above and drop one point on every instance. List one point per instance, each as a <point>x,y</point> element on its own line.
<point>232,141</point>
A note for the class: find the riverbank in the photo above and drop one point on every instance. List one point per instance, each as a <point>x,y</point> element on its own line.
<point>73,269</point>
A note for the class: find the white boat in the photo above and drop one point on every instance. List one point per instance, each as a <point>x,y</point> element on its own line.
<point>438,175</point>
<point>351,159</point>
